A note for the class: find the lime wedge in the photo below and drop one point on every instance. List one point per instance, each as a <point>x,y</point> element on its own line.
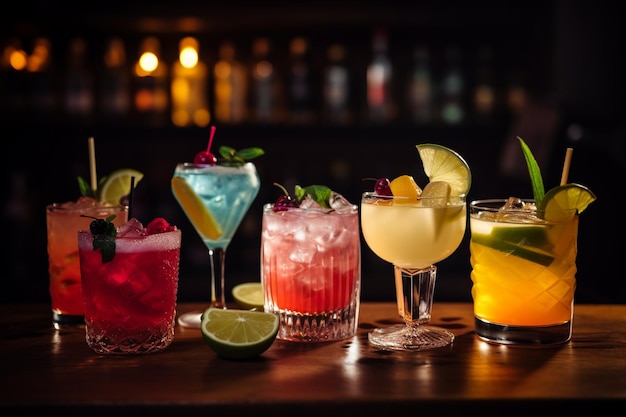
<point>561,203</point>
<point>509,248</point>
<point>249,295</point>
<point>194,208</point>
<point>116,186</point>
<point>443,164</point>
<point>239,334</point>
<point>534,236</point>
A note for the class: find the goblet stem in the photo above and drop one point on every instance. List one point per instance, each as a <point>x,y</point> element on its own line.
<point>218,298</point>
<point>418,288</point>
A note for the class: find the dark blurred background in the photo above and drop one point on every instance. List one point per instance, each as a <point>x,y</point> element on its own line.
<point>468,75</point>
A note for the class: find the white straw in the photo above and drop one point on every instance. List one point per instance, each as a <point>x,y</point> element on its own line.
<point>92,163</point>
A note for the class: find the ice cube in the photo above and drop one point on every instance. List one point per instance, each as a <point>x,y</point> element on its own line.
<point>339,203</point>
<point>308,203</point>
<point>132,228</point>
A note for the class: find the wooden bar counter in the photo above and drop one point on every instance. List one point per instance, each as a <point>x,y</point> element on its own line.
<point>54,372</point>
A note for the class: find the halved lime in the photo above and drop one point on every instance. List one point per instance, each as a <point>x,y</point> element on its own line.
<point>249,295</point>
<point>117,185</point>
<point>444,164</point>
<point>194,208</point>
<point>239,334</point>
<point>563,202</point>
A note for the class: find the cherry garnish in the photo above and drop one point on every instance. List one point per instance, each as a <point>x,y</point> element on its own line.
<point>206,157</point>
<point>382,187</point>
<point>285,201</point>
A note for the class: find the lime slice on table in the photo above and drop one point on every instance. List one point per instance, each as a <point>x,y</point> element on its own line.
<point>444,164</point>
<point>195,209</point>
<point>249,295</point>
<point>238,334</point>
<point>558,200</point>
<point>117,185</point>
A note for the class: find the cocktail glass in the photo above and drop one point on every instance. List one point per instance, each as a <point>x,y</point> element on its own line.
<point>413,235</point>
<point>523,273</point>
<point>311,271</point>
<point>64,220</point>
<point>130,301</point>
<point>215,199</point>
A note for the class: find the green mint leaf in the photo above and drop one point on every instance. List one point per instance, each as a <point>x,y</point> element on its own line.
<point>227,152</point>
<point>249,153</point>
<point>534,171</point>
<point>319,193</point>
<point>232,157</point>
<point>85,187</point>
<point>106,244</point>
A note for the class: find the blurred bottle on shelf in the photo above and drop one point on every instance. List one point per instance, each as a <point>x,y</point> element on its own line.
<point>114,82</point>
<point>150,95</point>
<point>231,86</point>
<point>266,88</point>
<point>302,83</point>
<point>420,91</point>
<point>79,81</point>
<point>189,86</point>
<point>380,102</point>
<point>42,79</point>
<point>13,79</point>
<point>484,92</point>
<point>453,107</point>
<point>337,86</point>
<point>516,93</point>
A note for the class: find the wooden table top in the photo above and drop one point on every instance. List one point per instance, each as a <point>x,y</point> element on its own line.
<point>46,370</point>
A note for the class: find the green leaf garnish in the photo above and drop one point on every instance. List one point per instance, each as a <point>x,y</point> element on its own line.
<point>319,193</point>
<point>85,187</point>
<point>104,233</point>
<point>534,171</point>
<point>232,157</point>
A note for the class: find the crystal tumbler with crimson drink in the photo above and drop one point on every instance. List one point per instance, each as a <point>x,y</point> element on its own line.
<point>310,267</point>
<point>130,285</point>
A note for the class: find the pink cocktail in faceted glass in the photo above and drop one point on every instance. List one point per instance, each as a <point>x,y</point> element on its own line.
<point>311,271</point>
<point>130,301</point>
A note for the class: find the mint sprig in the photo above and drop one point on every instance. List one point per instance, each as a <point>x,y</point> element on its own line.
<point>85,187</point>
<point>232,157</point>
<point>534,171</point>
<point>319,193</point>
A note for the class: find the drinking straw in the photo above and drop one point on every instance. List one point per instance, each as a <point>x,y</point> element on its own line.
<point>130,197</point>
<point>92,163</point>
<point>566,164</point>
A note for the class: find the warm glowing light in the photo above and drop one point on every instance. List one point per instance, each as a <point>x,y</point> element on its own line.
<point>40,56</point>
<point>148,61</point>
<point>18,59</point>
<point>188,57</point>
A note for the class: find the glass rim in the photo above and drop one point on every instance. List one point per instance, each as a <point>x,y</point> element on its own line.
<point>372,194</point>
<point>192,166</point>
<point>58,206</point>
<point>354,209</point>
<point>494,204</point>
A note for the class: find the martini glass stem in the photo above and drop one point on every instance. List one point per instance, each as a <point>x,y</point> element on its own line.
<point>218,298</point>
